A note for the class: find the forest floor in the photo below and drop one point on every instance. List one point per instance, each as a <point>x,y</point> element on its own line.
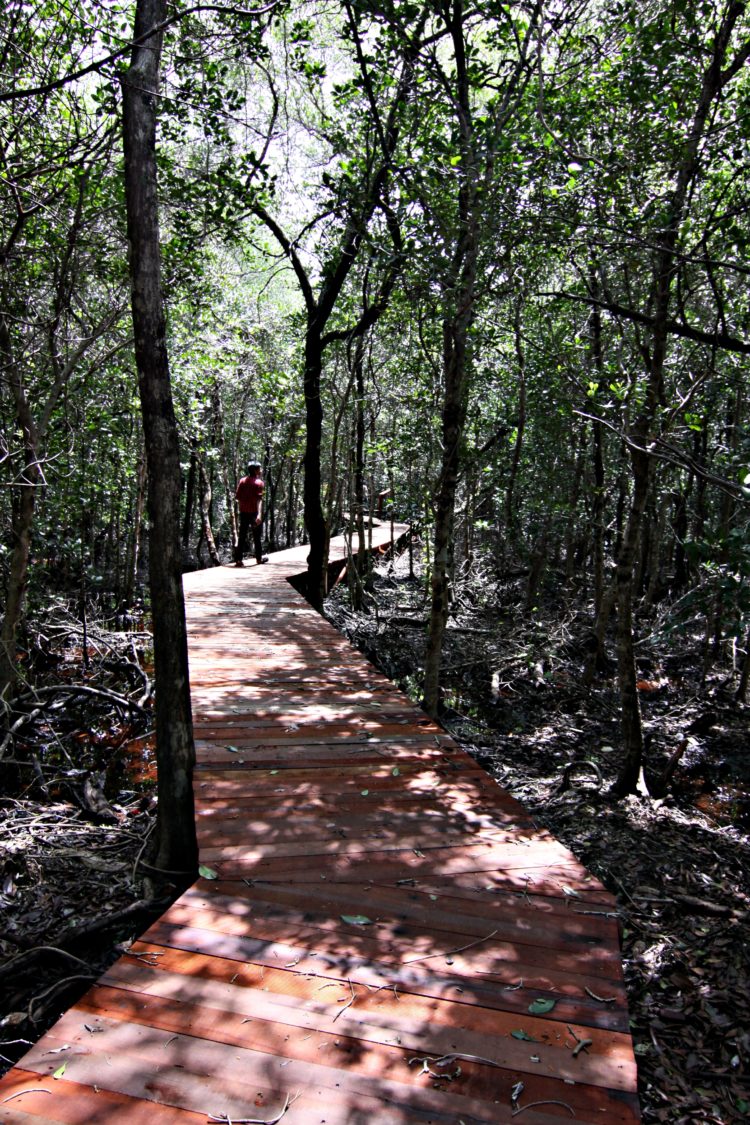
<point>679,866</point>
<point>76,814</point>
<point>77,811</point>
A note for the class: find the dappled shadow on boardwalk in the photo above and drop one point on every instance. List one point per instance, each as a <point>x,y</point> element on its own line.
<point>384,936</point>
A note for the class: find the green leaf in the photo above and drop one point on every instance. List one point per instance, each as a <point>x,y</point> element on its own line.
<point>232,749</point>
<point>395,771</point>
<point>356,919</point>
<point>60,1071</point>
<point>364,792</point>
<point>207,872</point>
<point>541,1006</point>
<point>521,1034</point>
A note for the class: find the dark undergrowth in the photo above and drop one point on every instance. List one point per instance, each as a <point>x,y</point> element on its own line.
<point>76,817</point>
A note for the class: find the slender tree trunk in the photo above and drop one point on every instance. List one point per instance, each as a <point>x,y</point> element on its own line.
<point>510,514</point>
<point>135,534</point>
<point>18,575</point>
<point>187,523</point>
<point>576,541</point>
<point>459,292</point>
<point>680,560</point>
<point>26,489</point>
<point>741,693</point>
<point>205,506</point>
<point>597,455</point>
<point>359,460</point>
<point>177,850</point>
<point>714,78</point>
<point>598,516</point>
<point>221,441</point>
<point>632,731</point>
<point>317,528</point>
<point>454,414</point>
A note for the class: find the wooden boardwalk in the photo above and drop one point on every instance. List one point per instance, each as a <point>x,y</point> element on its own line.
<point>389,938</point>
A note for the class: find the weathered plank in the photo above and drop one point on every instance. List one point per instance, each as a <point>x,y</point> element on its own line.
<point>388,939</point>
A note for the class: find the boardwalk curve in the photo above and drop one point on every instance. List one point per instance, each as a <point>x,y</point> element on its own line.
<point>388,939</point>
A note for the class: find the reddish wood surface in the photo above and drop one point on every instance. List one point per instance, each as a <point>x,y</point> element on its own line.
<point>382,918</point>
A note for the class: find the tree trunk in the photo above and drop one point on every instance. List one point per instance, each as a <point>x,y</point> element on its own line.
<point>187,523</point>
<point>666,241</point>
<point>177,850</point>
<point>205,505</point>
<point>598,516</point>
<point>23,506</point>
<point>454,414</point>
<point>632,731</point>
<point>134,549</point>
<point>18,574</point>
<point>510,515</point>
<point>317,529</point>
<point>459,292</point>
<point>359,462</point>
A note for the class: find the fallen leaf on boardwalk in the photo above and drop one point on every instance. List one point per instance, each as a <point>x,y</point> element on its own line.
<point>521,1034</point>
<point>207,872</point>
<point>541,1006</point>
<point>60,1071</point>
<point>356,919</point>
<point>232,749</point>
<point>364,792</point>
<point>395,771</point>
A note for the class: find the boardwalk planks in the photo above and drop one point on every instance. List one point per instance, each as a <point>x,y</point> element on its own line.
<point>388,938</point>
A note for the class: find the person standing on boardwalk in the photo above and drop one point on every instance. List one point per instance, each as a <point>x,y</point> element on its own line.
<point>249,497</point>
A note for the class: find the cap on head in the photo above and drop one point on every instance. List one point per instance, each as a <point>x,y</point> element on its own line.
<point>253,465</point>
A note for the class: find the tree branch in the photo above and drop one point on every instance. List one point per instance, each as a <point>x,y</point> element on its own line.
<point>721,340</point>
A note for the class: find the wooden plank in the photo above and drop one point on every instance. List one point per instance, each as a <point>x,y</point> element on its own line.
<point>222,1076</point>
<point>383,920</point>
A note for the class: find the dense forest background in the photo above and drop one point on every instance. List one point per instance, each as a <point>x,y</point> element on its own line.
<point>483,269</point>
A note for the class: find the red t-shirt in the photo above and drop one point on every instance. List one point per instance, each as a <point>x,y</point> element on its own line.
<point>249,494</point>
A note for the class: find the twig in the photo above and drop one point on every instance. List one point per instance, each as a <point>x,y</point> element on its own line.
<point>56,987</point>
<point>32,953</point>
<point>601,999</point>
<point>533,1105</point>
<point>438,1062</point>
<point>455,1055</point>
<point>224,1117</point>
<point>581,1044</point>
<point>16,727</point>
<point>20,1093</point>
<point>141,850</point>
<point>348,1003</point>
<point>81,689</point>
<point>450,952</point>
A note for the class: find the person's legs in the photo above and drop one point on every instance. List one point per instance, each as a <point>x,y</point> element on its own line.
<point>258,541</point>
<point>242,541</point>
